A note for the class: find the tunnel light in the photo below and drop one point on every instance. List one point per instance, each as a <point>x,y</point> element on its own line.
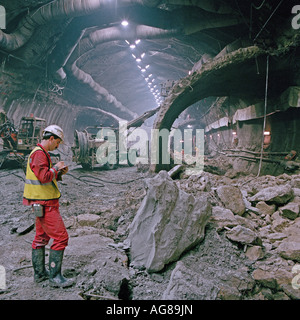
<point>267,133</point>
<point>143,70</point>
<point>132,46</point>
<point>147,66</point>
<point>137,41</point>
<point>124,23</point>
<point>234,133</point>
<point>143,55</point>
<point>138,60</point>
<point>134,56</point>
<point>127,41</point>
<point>150,75</point>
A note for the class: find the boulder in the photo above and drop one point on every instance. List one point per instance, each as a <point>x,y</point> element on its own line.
<point>293,229</point>
<point>87,219</point>
<point>276,236</point>
<point>265,278</point>
<point>273,278</point>
<point>290,249</point>
<point>232,199</point>
<point>279,223</point>
<point>279,195</point>
<point>290,210</point>
<point>264,208</point>
<point>243,235</point>
<point>168,223</point>
<point>223,217</point>
<point>255,253</point>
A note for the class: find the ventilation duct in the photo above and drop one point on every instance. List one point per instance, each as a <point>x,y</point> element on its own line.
<point>73,8</point>
<point>105,35</point>
<point>58,10</point>
<point>215,6</point>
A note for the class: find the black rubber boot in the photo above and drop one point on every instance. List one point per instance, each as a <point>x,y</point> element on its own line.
<point>56,278</point>
<point>38,262</point>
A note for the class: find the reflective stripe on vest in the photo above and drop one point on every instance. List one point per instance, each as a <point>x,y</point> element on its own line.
<point>34,189</point>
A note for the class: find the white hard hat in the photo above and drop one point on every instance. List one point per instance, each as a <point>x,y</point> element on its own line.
<point>56,130</point>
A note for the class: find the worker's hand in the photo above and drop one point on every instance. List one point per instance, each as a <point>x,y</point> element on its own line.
<point>59,165</point>
<point>64,170</point>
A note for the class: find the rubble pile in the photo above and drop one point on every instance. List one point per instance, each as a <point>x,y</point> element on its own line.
<point>205,236</point>
<point>244,245</point>
<point>261,216</point>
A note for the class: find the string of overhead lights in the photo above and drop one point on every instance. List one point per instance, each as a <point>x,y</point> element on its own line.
<point>145,69</point>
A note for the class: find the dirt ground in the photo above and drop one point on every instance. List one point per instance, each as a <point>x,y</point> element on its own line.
<point>106,195</point>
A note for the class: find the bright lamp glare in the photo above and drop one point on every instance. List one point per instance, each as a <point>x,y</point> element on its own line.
<point>124,23</point>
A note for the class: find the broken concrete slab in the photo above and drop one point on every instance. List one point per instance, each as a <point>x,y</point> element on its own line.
<point>168,223</point>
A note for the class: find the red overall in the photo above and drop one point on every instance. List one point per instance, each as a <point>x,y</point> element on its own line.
<point>51,225</point>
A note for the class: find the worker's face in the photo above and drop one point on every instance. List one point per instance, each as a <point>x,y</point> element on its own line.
<point>54,143</point>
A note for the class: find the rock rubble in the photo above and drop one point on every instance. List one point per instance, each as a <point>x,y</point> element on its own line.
<point>205,247</point>
<point>267,231</point>
<point>208,237</point>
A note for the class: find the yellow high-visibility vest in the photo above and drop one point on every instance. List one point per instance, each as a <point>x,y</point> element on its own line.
<point>34,189</point>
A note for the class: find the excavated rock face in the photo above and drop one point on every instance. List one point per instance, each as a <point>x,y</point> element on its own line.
<point>168,223</point>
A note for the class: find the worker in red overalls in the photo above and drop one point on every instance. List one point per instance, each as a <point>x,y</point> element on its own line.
<point>42,193</point>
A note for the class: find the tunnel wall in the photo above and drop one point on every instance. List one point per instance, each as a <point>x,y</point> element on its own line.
<point>249,137</point>
<point>20,97</point>
<point>55,112</point>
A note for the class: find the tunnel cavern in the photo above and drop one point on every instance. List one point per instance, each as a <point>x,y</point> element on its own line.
<point>164,134</point>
